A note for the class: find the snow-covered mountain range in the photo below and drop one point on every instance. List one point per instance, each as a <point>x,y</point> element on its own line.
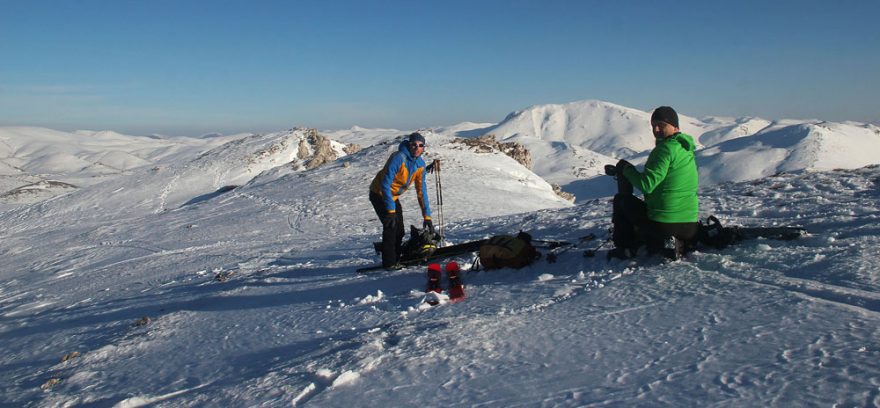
<point>572,142</point>
<point>108,296</point>
<point>32,157</point>
<point>569,144</point>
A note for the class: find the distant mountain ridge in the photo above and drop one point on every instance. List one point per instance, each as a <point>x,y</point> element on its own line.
<point>568,143</point>
<point>788,146</point>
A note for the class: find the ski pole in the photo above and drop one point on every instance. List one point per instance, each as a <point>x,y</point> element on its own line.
<point>589,253</point>
<point>439,187</point>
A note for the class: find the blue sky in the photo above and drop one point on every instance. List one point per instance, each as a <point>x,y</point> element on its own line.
<point>188,67</point>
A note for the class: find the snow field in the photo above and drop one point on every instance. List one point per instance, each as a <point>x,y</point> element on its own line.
<point>109,296</point>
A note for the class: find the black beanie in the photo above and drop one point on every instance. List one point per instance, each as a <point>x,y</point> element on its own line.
<point>416,137</point>
<point>665,114</point>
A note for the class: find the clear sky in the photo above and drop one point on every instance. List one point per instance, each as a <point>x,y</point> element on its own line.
<point>187,67</point>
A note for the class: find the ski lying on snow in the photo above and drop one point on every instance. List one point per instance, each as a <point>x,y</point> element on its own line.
<point>559,247</point>
<point>781,233</point>
<point>439,253</point>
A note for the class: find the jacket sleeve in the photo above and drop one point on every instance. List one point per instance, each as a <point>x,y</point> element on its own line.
<point>655,172</point>
<point>421,183</point>
<point>391,170</point>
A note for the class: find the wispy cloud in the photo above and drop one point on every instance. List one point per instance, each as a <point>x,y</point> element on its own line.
<point>46,89</point>
<point>65,89</point>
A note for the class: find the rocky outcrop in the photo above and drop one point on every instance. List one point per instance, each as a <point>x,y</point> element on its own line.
<point>488,144</point>
<point>351,148</point>
<point>315,150</point>
<point>322,152</point>
<point>38,191</point>
<point>565,196</point>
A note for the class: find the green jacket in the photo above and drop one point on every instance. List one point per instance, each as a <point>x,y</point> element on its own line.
<point>669,180</point>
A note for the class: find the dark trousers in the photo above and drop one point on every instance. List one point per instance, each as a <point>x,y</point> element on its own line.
<point>392,229</point>
<point>632,228</point>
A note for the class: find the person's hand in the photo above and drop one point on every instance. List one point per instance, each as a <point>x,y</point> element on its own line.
<point>622,165</point>
<point>429,226</point>
<point>610,170</point>
<point>391,221</point>
<point>435,165</point>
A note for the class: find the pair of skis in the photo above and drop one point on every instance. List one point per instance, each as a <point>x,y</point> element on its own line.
<point>434,287</point>
<point>439,253</point>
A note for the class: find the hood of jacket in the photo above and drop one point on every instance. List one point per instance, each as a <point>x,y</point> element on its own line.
<point>404,148</point>
<point>686,141</point>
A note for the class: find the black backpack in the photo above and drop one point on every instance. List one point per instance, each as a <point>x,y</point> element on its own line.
<point>421,243</point>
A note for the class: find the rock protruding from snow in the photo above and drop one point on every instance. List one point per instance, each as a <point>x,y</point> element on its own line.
<point>34,192</point>
<point>488,144</point>
<point>565,195</point>
<point>322,149</point>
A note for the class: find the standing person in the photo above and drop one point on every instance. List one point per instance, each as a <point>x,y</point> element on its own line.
<point>668,218</point>
<point>403,168</point>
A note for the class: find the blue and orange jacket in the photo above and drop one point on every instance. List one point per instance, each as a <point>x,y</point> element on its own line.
<point>401,170</point>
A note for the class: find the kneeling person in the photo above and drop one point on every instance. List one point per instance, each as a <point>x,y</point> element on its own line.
<point>668,217</point>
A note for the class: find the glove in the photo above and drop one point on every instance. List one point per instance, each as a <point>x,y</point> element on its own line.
<point>622,165</point>
<point>434,165</point>
<point>391,221</point>
<point>610,170</point>
<point>428,225</point>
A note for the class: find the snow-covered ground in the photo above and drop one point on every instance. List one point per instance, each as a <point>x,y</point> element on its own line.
<point>108,294</point>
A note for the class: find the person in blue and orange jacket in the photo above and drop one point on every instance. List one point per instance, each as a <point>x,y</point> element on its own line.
<point>403,168</point>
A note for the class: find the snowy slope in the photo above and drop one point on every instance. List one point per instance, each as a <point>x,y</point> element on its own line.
<point>171,185</point>
<point>108,296</point>
<point>595,125</point>
<point>362,136</point>
<point>765,323</point>
<point>574,141</point>
<point>27,147</point>
<point>284,216</point>
<point>32,156</point>
<point>724,129</point>
<point>787,146</point>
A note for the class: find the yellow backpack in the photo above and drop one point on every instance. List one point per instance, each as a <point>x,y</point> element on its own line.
<point>505,251</point>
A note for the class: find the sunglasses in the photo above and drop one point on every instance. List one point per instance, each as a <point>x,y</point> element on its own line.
<point>417,144</point>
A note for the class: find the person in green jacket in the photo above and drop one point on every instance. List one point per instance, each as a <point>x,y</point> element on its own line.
<point>667,220</point>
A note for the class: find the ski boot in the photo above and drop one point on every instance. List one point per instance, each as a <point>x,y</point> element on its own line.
<point>456,288</point>
<point>433,288</point>
<point>673,248</point>
<point>434,278</point>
